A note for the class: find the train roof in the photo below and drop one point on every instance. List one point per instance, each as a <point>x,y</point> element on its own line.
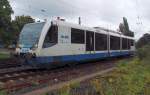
<point>68,24</point>
<point>64,23</point>
<point>96,29</point>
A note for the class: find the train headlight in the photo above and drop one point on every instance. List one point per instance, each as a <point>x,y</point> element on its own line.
<point>30,51</point>
<point>17,50</point>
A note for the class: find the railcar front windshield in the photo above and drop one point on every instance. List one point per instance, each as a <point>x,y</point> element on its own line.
<point>30,34</point>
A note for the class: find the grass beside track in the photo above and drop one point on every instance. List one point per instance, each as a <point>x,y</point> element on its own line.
<point>4,56</point>
<point>130,77</point>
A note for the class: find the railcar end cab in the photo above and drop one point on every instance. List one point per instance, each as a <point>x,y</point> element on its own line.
<point>35,37</point>
<point>29,38</point>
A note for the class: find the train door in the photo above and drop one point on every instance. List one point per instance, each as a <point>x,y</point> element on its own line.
<point>89,41</point>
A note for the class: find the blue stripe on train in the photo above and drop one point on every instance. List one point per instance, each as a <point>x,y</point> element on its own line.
<point>77,58</point>
<point>83,57</point>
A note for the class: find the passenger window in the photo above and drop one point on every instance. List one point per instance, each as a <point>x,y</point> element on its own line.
<point>132,42</point>
<point>100,42</point>
<point>129,43</point>
<point>114,43</point>
<point>124,44</point>
<point>77,36</point>
<point>89,41</point>
<point>51,37</point>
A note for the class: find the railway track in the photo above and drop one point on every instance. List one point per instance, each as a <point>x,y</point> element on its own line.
<point>23,80</point>
<point>9,63</point>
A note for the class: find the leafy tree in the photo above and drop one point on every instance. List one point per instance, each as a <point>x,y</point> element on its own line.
<point>18,24</point>
<point>144,40</point>
<point>5,21</point>
<point>121,27</point>
<point>124,28</point>
<point>143,53</point>
<point>20,21</point>
<point>5,13</point>
<point>125,22</point>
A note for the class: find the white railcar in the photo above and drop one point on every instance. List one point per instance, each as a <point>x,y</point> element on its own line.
<point>56,42</point>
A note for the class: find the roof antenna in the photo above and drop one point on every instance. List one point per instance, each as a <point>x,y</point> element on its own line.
<point>79,20</point>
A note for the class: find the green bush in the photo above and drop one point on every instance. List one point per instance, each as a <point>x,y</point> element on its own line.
<point>144,53</point>
<point>132,77</point>
<point>128,79</point>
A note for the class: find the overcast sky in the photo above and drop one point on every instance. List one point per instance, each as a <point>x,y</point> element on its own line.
<point>104,13</point>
